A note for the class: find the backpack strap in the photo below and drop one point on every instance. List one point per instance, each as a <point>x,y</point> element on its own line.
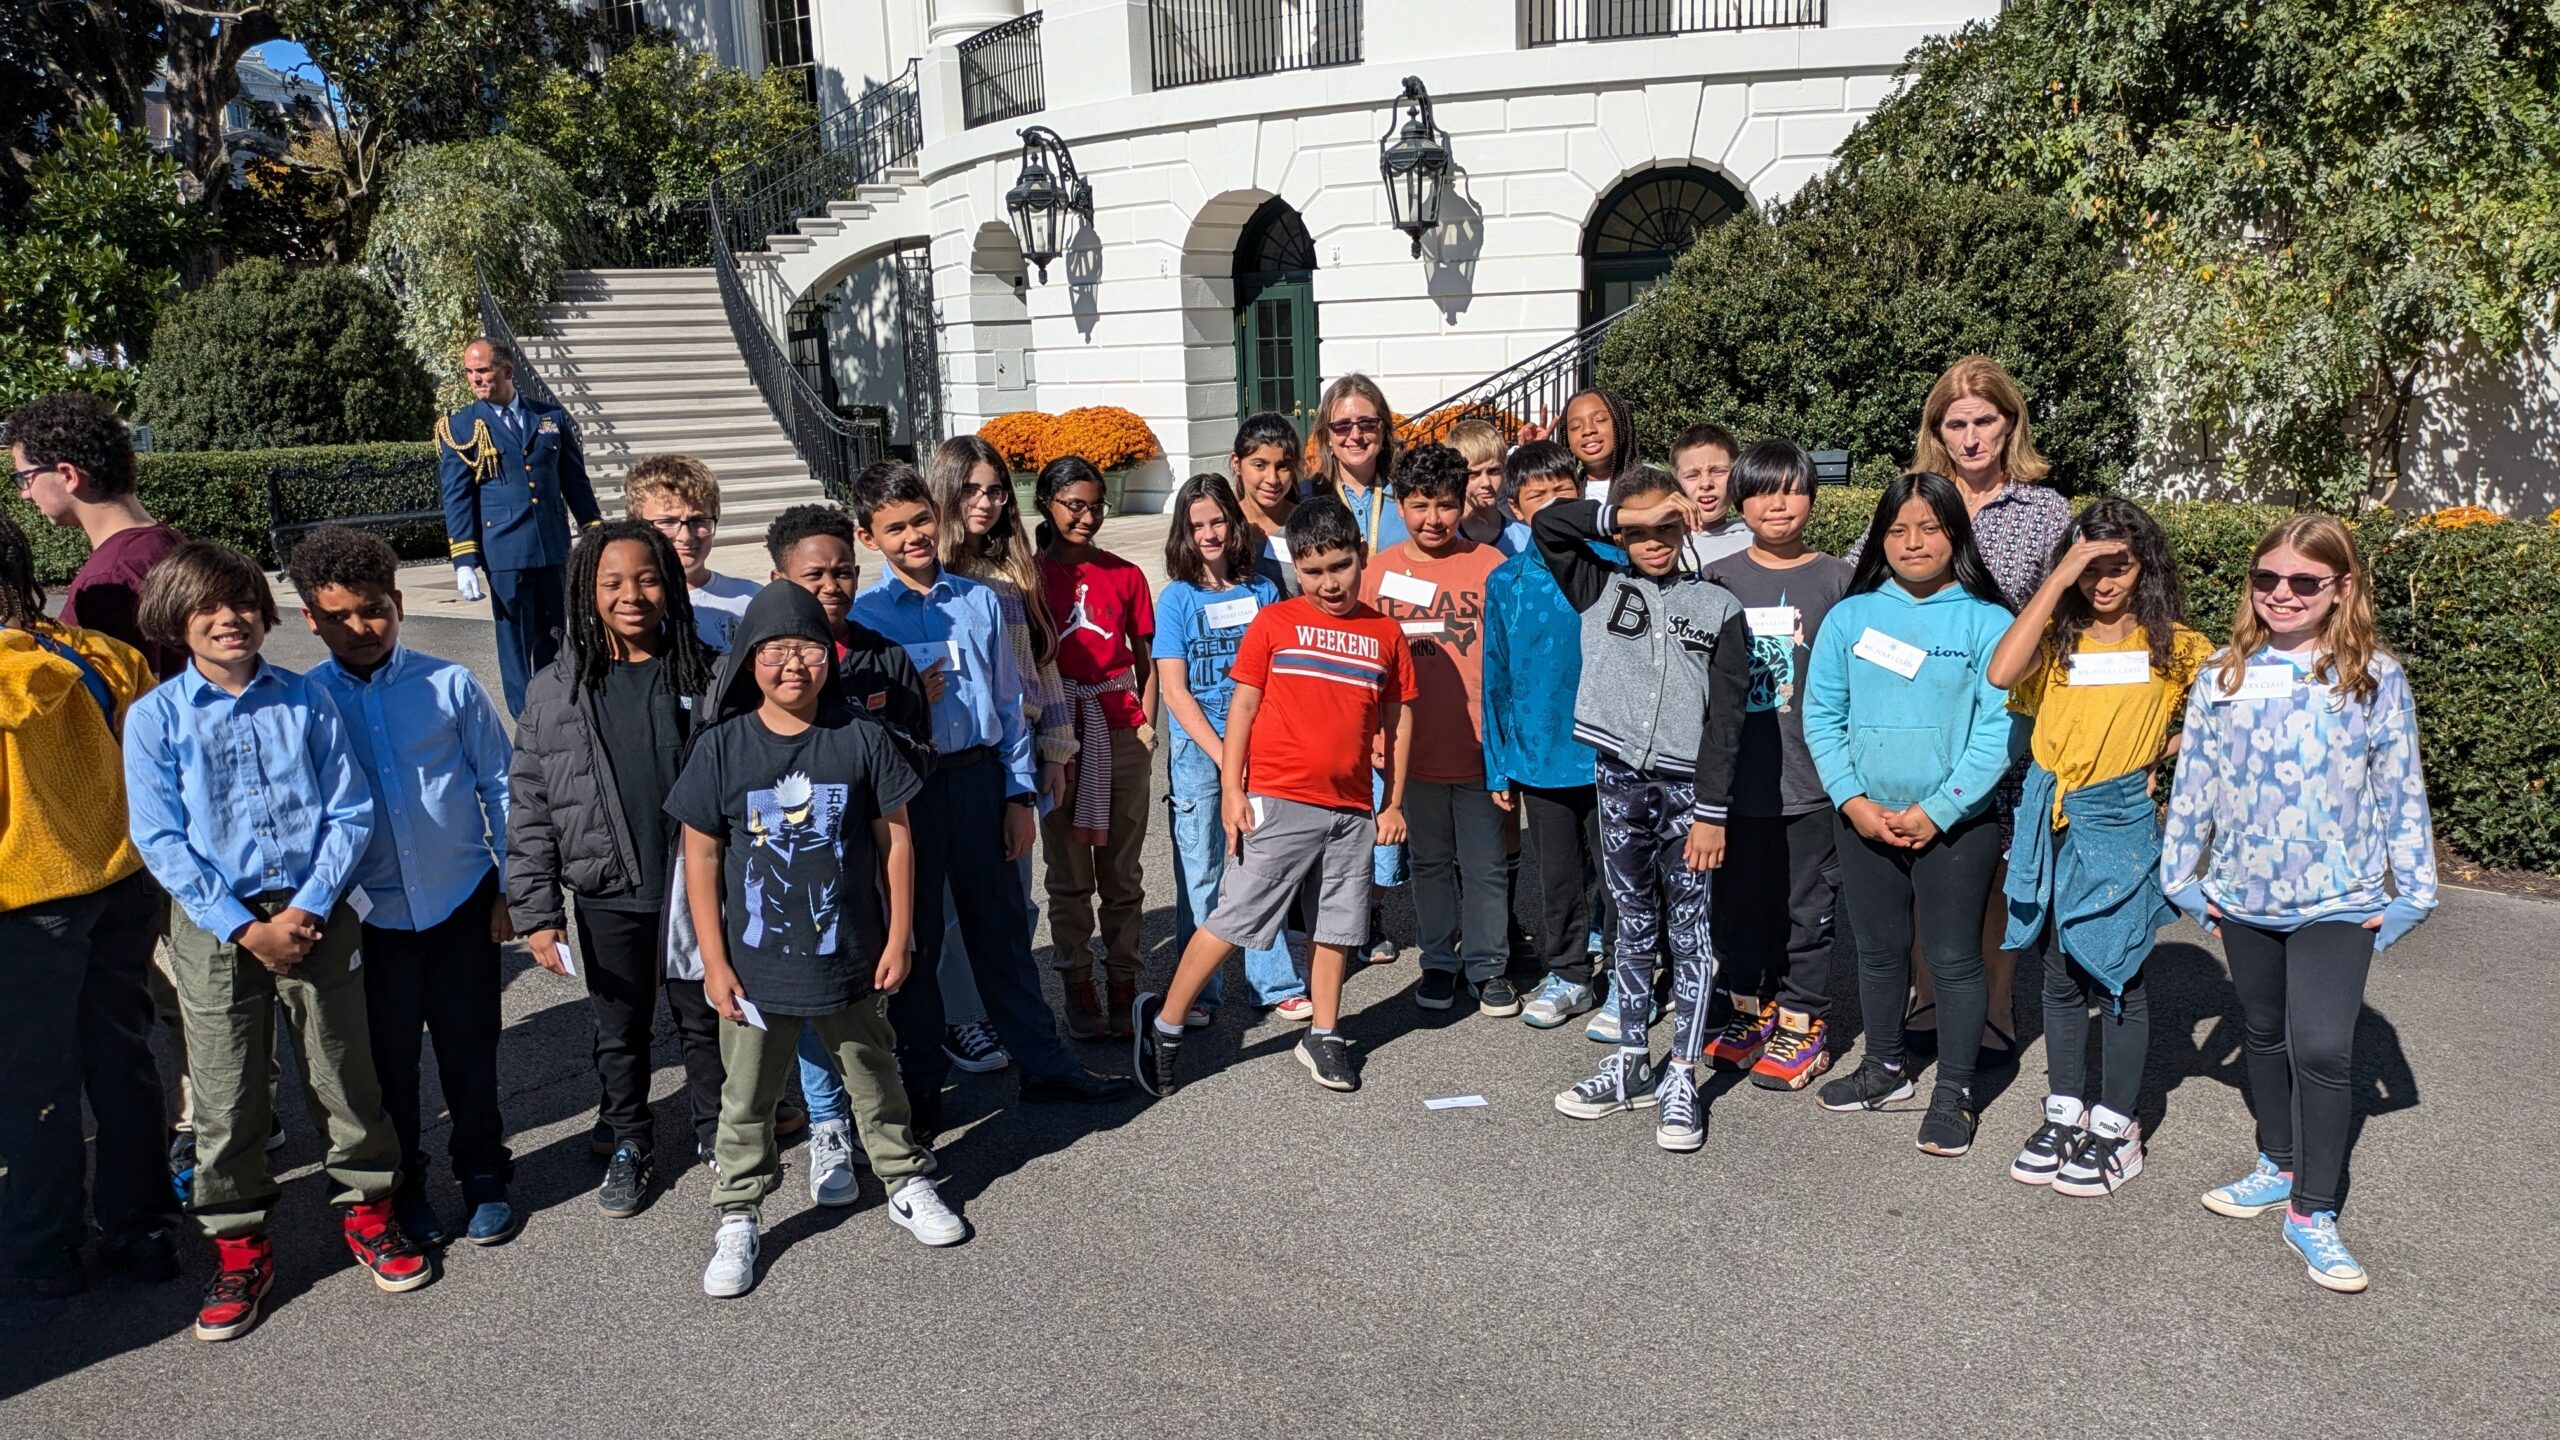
<point>89,677</point>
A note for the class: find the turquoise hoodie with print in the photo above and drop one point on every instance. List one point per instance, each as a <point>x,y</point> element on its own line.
<point>1940,738</point>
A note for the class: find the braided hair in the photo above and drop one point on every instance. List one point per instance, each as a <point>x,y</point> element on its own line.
<point>1622,431</point>
<point>590,649</point>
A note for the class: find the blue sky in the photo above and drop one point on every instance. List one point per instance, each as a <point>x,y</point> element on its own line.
<point>282,55</point>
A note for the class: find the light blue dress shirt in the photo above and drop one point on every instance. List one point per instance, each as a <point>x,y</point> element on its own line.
<point>436,759</point>
<point>231,797</point>
<point>960,622</point>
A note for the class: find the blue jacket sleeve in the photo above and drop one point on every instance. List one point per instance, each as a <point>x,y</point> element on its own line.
<point>461,500</point>
<point>157,817</point>
<point>1826,712</point>
<point>345,805</point>
<point>1496,697</point>
<point>1995,737</point>
<point>573,476</point>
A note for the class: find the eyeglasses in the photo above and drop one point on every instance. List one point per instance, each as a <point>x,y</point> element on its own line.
<point>782,654</point>
<point>2302,586</point>
<point>27,477</point>
<point>1364,425</point>
<point>998,493</point>
<point>1079,509</point>
<point>698,524</point>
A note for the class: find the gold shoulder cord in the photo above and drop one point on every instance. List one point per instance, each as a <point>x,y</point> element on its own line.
<point>481,455</point>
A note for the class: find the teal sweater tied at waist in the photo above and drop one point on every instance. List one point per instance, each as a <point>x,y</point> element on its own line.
<point>2101,889</point>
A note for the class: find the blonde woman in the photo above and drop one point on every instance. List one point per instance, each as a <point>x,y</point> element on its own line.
<point>1355,453</point>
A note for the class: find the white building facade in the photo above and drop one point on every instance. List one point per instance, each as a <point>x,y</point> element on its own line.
<point>1239,252</point>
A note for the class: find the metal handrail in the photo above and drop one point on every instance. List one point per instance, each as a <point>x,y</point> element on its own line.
<point>493,323</point>
<point>1552,22</point>
<point>1193,42</point>
<point>1531,392</point>
<point>854,145</point>
<point>1000,72</point>
<point>835,449</point>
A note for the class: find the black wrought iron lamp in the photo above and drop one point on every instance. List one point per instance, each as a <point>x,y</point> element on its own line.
<point>1414,161</point>
<point>1048,191</point>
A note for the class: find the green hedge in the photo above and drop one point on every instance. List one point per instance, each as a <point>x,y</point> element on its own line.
<point>208,494</point>
<point>2474,613</point>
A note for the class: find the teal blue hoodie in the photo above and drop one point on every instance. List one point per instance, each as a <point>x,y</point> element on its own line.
<point>1941,738</point>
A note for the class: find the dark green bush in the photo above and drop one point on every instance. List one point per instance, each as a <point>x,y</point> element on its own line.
<point>270,355</point>
<point>1828,321</point>
<point>2473,612</point>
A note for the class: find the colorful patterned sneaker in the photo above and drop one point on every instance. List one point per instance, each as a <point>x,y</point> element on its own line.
<point>2109,1155</point>
<point>2253,1194</point>
<point>2315,1238</point>
<point>1679,1123</point>
<point>1738,1045</point>
<point>1555,1001</point>
<point>2065,1121</point>
<point>1624,1081</point>
<point>1869,1087</point>
<point>1797,1054</point>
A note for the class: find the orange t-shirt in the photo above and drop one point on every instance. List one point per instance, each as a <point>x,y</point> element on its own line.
<point>1324,681</point>
<point>1439,605</point>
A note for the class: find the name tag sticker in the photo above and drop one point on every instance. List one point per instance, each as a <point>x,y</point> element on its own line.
<point>1879,648</point>
<point>2129,667</point>
<point>747,1011</point>
<point>2261,682</point>
<point>360,902</point>
<point>1409,589</point>
<point>1596,490</point>
<point>1777,620</point>
<point>1228,614</point>
<point>1277,546</point>
<point>1261,809</point>
<point>927,653</point>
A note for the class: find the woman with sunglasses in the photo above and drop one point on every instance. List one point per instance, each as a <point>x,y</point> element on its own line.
<point>1355,453</point>
<point>2298,833</point>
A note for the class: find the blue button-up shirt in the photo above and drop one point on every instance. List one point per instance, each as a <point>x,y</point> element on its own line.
<point>436,758</point>
<point>959,622</point>
<point>231,797</point>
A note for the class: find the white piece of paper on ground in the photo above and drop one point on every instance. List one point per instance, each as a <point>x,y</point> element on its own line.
<point>1455,1102</point>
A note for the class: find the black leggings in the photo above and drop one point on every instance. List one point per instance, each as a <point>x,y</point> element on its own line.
<point>1947,884</point>
<point>2300,993</point>
<point>2124,1037</point>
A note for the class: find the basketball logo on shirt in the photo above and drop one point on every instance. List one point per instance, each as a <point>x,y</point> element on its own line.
<point>1080,618</point>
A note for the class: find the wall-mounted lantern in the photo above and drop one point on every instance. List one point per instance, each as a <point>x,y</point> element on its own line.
<point>1414,161</point>
<point>1048,191</point>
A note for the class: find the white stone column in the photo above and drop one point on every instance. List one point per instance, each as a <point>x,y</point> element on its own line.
<point>956,20</point>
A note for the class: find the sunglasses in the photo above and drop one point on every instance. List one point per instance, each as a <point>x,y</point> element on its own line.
<point>1345,429</point>
<point>2302,586</point>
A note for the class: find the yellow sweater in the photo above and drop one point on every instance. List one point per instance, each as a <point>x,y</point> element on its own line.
<point>62,819</point>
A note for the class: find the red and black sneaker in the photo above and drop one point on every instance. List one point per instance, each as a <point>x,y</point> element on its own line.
<point>381,1247</point>
<point>1797,1053</point>
<point>243,1270</point>
<point>1738,1044</point>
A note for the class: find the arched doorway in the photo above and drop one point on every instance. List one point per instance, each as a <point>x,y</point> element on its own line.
<point>1642,226</point>
<point>1275,272</point>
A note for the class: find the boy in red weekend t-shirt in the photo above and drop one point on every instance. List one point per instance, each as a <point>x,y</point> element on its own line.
<point>1106,622</point>
<point>1319,680</point>
<point>1432,584</point>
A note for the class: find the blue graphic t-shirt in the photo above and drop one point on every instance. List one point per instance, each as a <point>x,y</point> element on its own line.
<point>1202,628</point>
<point>1782,611</point>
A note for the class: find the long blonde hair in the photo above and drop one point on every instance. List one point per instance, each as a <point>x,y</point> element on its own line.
<point>1004,552</point>
<point>2347,643</point>
<point>1979,377</point>
<point>1329,468</point>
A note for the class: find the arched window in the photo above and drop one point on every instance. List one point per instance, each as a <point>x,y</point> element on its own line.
<point>1644,225</point>
<point>1275,270</point>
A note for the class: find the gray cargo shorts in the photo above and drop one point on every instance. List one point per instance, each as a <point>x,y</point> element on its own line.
<point>1289,840</point>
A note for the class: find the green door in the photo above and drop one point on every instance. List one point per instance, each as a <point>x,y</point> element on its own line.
<point>1276,349</point>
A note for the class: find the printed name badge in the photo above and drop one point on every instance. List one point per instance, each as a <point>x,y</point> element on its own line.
<point>1779,620</point>
<point>1596,490</point>
<point>1228,614</point>
<point>2261,682</point>
<point>1424,629</point>
<point>361,903</point>
<point>1879,648</point>
<point>927,653</point>
<point>2129,667</point>
<point>1410,589</point>
<point>1277,546</point>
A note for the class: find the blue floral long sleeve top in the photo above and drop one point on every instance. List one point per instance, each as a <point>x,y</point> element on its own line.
<point>2293,807</point>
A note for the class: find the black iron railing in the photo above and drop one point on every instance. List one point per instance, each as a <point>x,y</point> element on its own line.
<point>662,234</point>
<point>1000,74</point>
<point>835,449</point>
<point>854,145</point>
<point>1532,392</point>
<point>1197,41</point>
<point>1552,22</point>
<point>493,323</point>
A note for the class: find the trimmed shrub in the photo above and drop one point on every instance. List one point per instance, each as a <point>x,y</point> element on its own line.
<point>269,356</point>
<point>2473,610</point>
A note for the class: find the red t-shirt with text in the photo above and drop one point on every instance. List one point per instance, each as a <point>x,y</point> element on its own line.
<point>1324,681</point>
<point>1106,620</point>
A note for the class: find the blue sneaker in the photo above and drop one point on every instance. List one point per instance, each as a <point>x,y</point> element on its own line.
<point>2315,1238</point>
<point>2253,1194</point>
<point>1603,1026</point>
<point>1555,1001</point>
<point>494,1219</point>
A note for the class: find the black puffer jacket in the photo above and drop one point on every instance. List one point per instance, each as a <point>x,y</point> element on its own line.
<point>565,823</point>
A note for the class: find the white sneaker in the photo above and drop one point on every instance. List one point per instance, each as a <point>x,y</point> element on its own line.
<point>2109,1155</point>
<point>732,1270</point>
<point>918,1209</point>
<point>831,1179</point>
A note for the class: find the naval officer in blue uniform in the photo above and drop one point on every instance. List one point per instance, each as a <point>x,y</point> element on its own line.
<point>513,484</point>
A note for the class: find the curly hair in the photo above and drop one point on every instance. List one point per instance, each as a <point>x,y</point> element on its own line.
<point>589,650</point>
<point>2159,603</point>
<point>1434,470</point>
<point>338,555</point>
<point>799,523</point>
<point>77,429</point>
<point>680,478</point>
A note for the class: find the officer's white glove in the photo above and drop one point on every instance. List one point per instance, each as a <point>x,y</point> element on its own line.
<point>466,583</point>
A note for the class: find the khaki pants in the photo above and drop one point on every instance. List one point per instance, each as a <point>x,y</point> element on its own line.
<point>164,1004</point>
<point>1077,872</point>
<point>228,1002</point>
<point>757,1063</point>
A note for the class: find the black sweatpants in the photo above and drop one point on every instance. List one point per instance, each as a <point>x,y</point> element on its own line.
<point>623,953</point>
<point>1946,887</point>
<point>442,981</point>
<point>1560,835</point>
<point>1769,949</point>
<point>2300,992</point>
<point>2124,1034</point>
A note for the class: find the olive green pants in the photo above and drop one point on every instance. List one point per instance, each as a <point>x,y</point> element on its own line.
<point>758,1063</point>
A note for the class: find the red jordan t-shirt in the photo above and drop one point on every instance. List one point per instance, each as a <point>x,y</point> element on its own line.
<point>1106,620</point>
<point>1324,681</point>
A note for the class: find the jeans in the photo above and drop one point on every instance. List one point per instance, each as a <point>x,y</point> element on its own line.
<point>1199,862</point>
<point>624,955</point>
<point>1773,908</point>
<point>78,1018</point>
<point>1558,827</point>
<point>1461,903</point>
<point>2124,1034</point>
<point>442,981</point>
<point>1949,883</point>
<point>2300,994</point>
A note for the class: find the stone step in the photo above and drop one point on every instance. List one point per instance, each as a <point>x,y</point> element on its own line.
<point>675,431</point>
<point>706,404</point>
<point>569,318</point>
